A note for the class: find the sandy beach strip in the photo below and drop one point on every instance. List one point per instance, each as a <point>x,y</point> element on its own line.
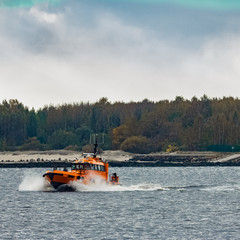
<point>57,155</point>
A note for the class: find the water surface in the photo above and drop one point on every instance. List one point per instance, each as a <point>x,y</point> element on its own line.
<point>152,203</point>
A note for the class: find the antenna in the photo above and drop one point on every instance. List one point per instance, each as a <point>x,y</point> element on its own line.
<point>95,140</point>
<point>96,143</point>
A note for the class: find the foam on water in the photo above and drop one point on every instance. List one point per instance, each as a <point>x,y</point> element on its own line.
<point>210,188</point>
<point>224,188</point>
<point>104,187</point>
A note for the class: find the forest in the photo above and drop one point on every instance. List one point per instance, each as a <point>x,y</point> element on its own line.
<point>199,124</point>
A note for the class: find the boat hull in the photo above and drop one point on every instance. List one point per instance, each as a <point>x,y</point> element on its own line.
<point>59,179</point>
<point>65,188</point>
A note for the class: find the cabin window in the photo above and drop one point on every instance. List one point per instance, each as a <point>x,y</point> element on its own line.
<point>81,166</point>
<point>73,167</point>
<point>101,168</point>
<point>87,166</point>
<point>97,167</point>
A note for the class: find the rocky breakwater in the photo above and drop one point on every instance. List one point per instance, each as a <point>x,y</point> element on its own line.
<point>181,159</point>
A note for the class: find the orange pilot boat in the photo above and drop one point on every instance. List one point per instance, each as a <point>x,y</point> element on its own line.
<point>86,171</point>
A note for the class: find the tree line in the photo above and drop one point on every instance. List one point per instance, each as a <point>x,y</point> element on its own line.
<point>199,124</point>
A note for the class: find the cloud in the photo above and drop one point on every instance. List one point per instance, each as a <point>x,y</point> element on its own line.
<point>59,55</point>
<point>43,16</point>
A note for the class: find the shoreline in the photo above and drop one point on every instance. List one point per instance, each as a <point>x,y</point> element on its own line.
<point>63,158</point>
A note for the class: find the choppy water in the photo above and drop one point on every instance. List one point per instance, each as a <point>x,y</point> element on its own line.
<point>152,203</point>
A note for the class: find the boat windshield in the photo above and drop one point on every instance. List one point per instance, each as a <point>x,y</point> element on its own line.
<point>87,166</point>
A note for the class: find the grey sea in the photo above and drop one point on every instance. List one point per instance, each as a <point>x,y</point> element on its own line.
<point>151,203</point>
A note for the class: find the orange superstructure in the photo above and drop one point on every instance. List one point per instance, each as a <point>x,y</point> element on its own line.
<point>86,171</point>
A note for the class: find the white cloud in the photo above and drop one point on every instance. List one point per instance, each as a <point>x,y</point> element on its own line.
<point>43,16</point>
<point>60,58</point>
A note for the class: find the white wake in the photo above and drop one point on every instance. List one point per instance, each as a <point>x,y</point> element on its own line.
<point>105,187</point>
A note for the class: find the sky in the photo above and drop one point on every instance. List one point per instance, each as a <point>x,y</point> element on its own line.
<point>71,51</point>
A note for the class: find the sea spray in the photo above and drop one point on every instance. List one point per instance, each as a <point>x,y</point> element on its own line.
<point>34,183</point>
